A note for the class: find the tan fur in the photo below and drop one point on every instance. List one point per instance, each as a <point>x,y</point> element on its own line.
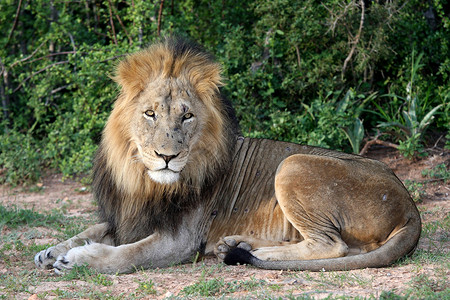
<point>173,177</point>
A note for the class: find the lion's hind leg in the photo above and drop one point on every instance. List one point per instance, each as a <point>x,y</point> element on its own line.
<point>303,197</point>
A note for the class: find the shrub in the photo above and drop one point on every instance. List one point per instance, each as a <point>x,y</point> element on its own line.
<point>286,63</point>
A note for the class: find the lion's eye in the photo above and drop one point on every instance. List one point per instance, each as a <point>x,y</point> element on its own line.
<point>149,113</point>
<point>187,116</point>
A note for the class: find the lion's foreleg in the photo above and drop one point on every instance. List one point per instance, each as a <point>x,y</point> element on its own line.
<point>94,234</point>
<point>157,250</point>
<point>154,251</point>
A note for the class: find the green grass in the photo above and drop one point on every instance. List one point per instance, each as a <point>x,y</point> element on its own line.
<point>87,274</point>
<point>147,287</point>
<point>13,217</point>
<point>206,288</point>
<point>335,279</point>
<point>424,286</point>
<point>77,293</point>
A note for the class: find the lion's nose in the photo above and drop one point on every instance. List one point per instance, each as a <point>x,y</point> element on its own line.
<point>166,158</point>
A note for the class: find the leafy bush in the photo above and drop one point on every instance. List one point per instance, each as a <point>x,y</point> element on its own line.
<point>286,63</point>
<point>414,118</point>
<point>20,158</point>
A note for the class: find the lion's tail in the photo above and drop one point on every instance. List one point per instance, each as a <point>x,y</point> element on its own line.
<point>401,244</point>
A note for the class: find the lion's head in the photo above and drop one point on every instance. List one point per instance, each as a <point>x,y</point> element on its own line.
<point>169,133</point>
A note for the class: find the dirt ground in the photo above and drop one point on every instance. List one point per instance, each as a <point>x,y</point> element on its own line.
<point>72,199</point>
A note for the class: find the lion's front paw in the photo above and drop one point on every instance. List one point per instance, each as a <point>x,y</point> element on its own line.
<point>75,256</point>
<point>228,243</point>
<point>101,257</point>
<point>46,258</point>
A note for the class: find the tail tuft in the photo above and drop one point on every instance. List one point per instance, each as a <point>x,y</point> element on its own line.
<point>238,256</point>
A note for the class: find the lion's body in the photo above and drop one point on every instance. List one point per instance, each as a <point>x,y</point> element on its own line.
<point>173,177</point>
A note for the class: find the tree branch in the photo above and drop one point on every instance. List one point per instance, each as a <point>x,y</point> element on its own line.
<point>111,58</point>
<point>44,57</point>
<point>16,18</point>
<point>356,41</point>
<point>3,95</point>
<point>123,26</point>
<point>378,142</point>
<point>160,17</point>
<point>112,22</point>
<point>29,56</point>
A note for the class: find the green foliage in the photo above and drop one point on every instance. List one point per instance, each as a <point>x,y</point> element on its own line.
<point>355,135</point>
<point>147,287</point>
<point>440,171</point>
<point>286,63</point>
<point>414,120</point>
<point>415,189</point>
<point>20,158</point>
<point>328,121</point>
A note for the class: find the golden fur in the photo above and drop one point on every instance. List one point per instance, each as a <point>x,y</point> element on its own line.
<point>173,178</point>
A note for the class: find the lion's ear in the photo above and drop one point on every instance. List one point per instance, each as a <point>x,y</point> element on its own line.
<point>209,78</point>
<point>205,76</point>
<point>134,73</point>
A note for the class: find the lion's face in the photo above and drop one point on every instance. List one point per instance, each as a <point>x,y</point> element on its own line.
<point>167,122</point>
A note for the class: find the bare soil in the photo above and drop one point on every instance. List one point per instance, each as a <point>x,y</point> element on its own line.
<point>72,199</point>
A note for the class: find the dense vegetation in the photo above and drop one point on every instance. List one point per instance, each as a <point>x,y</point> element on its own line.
<point>329,73</point>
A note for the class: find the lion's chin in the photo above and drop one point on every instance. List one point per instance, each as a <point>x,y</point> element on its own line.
<point>164,176</point>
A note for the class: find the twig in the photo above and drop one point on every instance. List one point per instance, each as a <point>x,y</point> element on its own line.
<point>111,58</point>
<point>159,17</point>
<point>437,142</point>
<point>5,98</point>
<point>54,91</point>
<point>46,56</point>
<point>16,18</point>
<point>298,56</point>
<point>356,41</point>
<point>123,26</point>
<point>378,142</point>
<point>432,180</point>
<point>37,72</point>
<point>29,56</point>
<point>54,54</point>
<point>112,22</point>
<point>337,17</point>
<point>59,89</point>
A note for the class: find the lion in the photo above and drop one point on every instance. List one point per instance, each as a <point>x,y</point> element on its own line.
<point>174,179</point>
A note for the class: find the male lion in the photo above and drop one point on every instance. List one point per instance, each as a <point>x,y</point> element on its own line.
<point>174,178</point>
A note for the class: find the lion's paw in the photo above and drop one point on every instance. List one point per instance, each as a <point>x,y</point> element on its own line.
<point>76,256</point>
<point>227,244</point>
<point>95,255</point>
<point>45,259</point>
